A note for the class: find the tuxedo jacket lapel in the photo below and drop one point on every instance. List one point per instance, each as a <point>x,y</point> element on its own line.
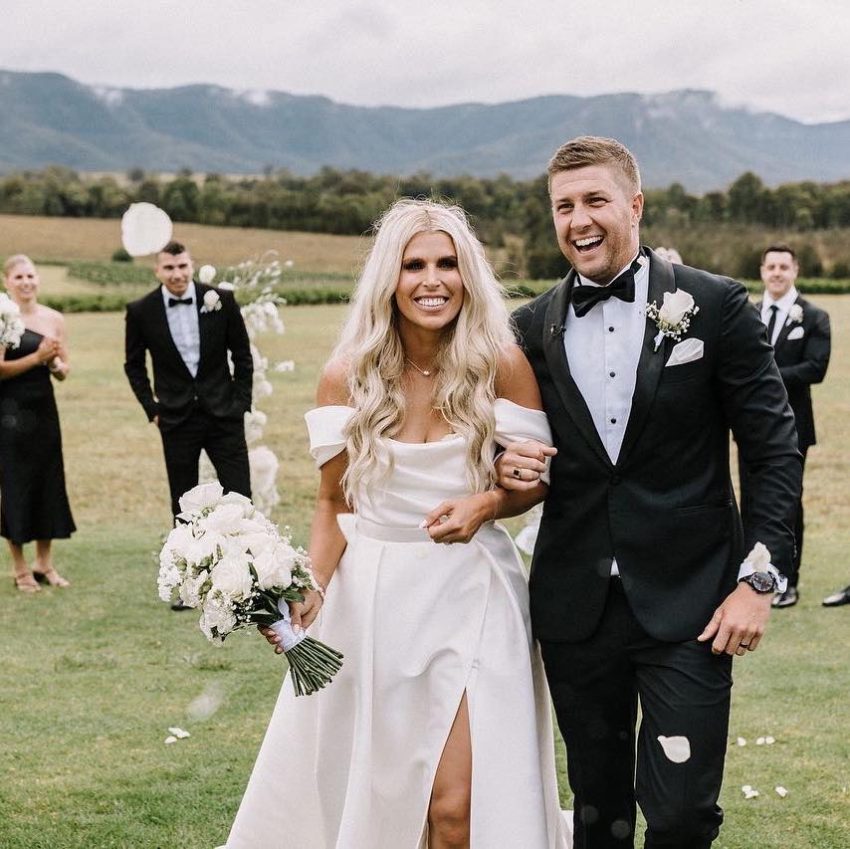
<point>651,362</point>
<point>556,361</point>
<point>786,328</point>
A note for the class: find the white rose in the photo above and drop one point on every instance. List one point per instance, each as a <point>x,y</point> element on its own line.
<point>675,305</point>
<point>200,497</point>
<point>232,578</point>
<point>207,545</point>
<point>274,567</point>
<point>206,274</point>
<point>178,541</point>
<point>224,519</point>
<point>217,614</point>
<point>795,314</point>
<point>212,300</point>
<point>226,286</point>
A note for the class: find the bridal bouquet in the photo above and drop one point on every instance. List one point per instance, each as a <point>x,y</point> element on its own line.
<point>226,559</point>
<point>11,326</point>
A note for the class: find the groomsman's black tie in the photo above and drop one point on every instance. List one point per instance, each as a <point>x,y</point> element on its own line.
<point>173,302</point>
<point>585,298</point>
<point>771,322</point>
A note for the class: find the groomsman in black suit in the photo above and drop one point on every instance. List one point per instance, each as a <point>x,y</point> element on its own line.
<point>799,333</point>
<point>645,583</point>
<point>196,403</point>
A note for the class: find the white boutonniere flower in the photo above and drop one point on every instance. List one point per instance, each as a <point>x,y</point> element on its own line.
<point>206,274</point>
<point>795,314</point>
<point>673,317</point>
<point>212,301</point>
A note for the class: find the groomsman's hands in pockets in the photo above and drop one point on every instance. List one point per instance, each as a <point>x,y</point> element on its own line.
<point>739,623</point>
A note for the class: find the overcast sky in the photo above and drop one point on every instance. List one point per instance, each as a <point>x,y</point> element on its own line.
<point>786,56</point>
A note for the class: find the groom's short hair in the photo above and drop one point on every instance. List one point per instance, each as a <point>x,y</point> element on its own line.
<point>778,249</point>
<point>595,150</point>
<point>174,248</point>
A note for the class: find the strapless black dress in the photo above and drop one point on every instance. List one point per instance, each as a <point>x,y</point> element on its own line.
<point>33,501</point>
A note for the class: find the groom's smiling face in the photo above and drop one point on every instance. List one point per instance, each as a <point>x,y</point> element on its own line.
<point>596,213</point>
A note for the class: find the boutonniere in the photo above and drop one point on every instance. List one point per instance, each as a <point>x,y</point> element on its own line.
<point>673,317</point>
<point>795,314</point>
<point>212,301</point>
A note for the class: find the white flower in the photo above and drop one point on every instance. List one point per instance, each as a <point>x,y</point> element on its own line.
<point>255,422</point>
<point>179,733</point>
<point>190,589</point>
<point>274,566</point>
<point>741,741</point>
<point>204,550</point>
<point>206,274</point>
<point>676,306</point>
<point>217,614</point>
<point>224,519</point>
<point>781,791</point>
<point>749,792</point>
<point>795,314</point>
<point>170,739</point>
<point>289,263</point>
<point>212,301</point>
<point>200,497</point>
<point>677,749</point>
<point>145,229</point>
<point>232,578</point>
<point>226,286</point>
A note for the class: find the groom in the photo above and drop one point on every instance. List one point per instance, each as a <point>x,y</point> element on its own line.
<point>189,329</point>
<point>640,590</point>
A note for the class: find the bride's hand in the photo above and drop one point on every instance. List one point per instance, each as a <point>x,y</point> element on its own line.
<point>458,519</point>
<point>303,614</point>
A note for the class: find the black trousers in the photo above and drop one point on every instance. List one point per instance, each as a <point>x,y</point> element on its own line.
<point>799,525</point>
<point>224,442</point>
<point>683,691</point>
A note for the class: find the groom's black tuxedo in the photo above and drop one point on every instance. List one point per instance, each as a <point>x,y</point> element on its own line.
<point>194,413</point>
<point>665,510</point>
<point>213,389</point>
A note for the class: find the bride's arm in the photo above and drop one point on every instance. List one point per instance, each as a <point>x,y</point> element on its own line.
<point>515,382</point>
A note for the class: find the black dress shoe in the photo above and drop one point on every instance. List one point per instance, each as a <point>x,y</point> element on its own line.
<point>787,599</point>
<point>837,599</point>
<point>178,605</point>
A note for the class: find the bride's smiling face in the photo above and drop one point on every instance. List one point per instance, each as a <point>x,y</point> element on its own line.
<point>429,292</point>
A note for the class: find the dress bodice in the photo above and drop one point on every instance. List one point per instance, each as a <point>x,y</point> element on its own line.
<point>422,474</point>
<point>34,380</point>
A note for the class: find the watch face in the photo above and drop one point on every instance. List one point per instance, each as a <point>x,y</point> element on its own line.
<point>762,582</point>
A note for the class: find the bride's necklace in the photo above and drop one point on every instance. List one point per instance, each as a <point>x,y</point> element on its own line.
<point>424,372</point>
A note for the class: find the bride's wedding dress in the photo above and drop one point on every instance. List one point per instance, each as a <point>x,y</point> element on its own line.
<point>352,766</point>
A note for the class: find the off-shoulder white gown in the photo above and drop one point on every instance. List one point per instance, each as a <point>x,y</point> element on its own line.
<point>352,766</point>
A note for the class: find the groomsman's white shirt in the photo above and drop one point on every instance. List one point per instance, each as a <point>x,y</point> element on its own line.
<point>603,349</point>
<point>183,324</point>
<point>784,303</point>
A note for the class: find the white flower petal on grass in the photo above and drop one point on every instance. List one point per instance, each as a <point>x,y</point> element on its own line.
<point>741,741</point>
<point>145,229</point>
<point>285,365</point>
<point>749,792</point>
<point>179,733</point>
<point>170,739</point>
<point>781,791</point>
<point>769,741</point>
<point>760,741</point>
<point>677,749</point>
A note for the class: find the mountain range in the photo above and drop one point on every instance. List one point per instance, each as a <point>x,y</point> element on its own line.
<point>687,136</point>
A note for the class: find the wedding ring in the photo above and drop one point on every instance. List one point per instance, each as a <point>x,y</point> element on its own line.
<point>517,474</point>
<point>744,645</point>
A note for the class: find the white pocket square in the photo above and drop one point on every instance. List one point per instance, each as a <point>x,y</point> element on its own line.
<point>685,352</point>
<point>796,333</point>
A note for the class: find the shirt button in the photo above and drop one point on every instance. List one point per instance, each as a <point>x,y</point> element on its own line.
<point>613,421</point>
<point>612,374</point>
<point>610,329</point>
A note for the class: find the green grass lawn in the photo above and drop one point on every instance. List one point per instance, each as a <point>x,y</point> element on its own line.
<point>92,677</point>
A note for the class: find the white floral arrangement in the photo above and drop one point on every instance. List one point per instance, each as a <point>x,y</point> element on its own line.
<point>795,314</point>
<point>11,324</point>
<point>226,559</point>
<point>673,317</point>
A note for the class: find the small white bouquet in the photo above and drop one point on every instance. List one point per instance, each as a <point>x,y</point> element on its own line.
<point>226,559</point>
<point>11,325</point>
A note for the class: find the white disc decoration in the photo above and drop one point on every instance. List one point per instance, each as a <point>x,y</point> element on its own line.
<point>145,229</point>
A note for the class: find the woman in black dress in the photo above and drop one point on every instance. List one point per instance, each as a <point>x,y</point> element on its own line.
<point>33,501</point>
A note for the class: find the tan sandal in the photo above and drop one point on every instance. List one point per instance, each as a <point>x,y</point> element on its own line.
<point>50,576</point>
<point>26,583</point>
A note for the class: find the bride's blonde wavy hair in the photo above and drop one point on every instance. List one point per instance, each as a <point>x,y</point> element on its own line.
<point>466,361</point>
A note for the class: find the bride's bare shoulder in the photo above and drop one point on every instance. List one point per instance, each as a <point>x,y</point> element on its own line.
<point>515,379</point>
<point>333,384</point>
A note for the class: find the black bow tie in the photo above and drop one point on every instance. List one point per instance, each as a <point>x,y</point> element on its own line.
<point>585,298</point>
<point>173,302</point>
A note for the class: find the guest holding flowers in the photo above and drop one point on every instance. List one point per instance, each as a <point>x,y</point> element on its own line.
<point>33,501</point>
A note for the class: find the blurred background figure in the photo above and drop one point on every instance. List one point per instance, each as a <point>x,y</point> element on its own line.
<point>800,335</point>
<point>33,501</point>
<point>838,599</point>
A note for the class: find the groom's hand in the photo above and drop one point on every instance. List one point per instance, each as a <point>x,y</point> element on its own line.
<point>739,623</point>
<point>520,465</point>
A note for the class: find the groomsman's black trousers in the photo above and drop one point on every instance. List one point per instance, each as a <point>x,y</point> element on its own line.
<point>224,442</point>
<point>683,691</point>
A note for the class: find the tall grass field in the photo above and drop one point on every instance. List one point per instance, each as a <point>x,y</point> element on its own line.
<point>92,677</point>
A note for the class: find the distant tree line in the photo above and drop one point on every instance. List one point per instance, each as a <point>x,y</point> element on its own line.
<point>509,214</point>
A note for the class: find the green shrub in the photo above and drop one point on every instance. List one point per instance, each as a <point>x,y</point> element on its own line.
<point>121,255</point>
<point>110,273</point>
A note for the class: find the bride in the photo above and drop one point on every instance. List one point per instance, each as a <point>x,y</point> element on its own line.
<point>437,733</point>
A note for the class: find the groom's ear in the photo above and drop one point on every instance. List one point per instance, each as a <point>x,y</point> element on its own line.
<point>637,208</point>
